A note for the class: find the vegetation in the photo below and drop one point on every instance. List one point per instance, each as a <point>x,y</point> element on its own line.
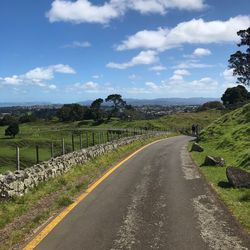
<point>36,206</point>
<point>236,96</point>
<point>240,61</point>
<point>12,130</point>
<point>229,137</point>
<point>211,105</point>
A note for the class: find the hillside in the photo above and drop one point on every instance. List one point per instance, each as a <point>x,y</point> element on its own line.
<point>230,136</point>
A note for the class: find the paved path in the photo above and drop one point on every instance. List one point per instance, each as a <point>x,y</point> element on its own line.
<point>156,200</point>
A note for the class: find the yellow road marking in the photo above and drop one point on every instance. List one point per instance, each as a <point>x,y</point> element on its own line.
<point>59,218</point>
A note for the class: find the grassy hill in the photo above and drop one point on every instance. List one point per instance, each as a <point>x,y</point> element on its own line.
<point>229,137</point>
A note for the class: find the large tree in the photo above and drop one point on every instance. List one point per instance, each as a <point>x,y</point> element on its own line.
<point>118,104</point>
<point>235,96</point>
<point>96,109</point>
<point>240,61</point>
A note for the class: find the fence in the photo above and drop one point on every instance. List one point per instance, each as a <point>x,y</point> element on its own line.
<point>66,141</point>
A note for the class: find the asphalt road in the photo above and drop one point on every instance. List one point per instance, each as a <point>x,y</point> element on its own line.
<point>156,200</point>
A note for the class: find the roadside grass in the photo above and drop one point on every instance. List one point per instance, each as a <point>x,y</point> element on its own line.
<point>19,216</point>
<point>44,133</point>
<point>228,137</point>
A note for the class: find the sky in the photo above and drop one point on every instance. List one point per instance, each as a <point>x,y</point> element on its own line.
<point>65,51</point>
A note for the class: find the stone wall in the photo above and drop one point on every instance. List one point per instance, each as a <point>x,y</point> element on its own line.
<point>20,182</point>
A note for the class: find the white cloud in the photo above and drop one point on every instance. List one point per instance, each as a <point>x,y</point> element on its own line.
<point>195,31</point>
<point>96,76</point>
<point>151,85</point>
<point>192,64</point>
<point>201,52</point>
<point>158,68</point>
<point>182,72</point>
<point>52,86</point>
<point>228,75</point>
<point>38,76</point>
<point>83,11</point>
<point>143,58</point>
<point>88,86</point>
<point>178,87</point>
<point>77,44</point>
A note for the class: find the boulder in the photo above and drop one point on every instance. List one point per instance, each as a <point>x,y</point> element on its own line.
<point>214,161</point>
<point>238,178</point>
<point>197,148</point>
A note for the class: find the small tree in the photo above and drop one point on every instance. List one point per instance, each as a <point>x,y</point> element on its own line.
<point>240,61</point>
<point>12,130</point>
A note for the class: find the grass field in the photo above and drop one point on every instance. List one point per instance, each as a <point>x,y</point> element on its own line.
<point>44,133</point>
<point>229,137</point>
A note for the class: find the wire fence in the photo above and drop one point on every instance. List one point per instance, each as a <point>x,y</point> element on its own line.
<point>44,145</point>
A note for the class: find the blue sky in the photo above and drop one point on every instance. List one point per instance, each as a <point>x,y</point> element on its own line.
<point>69,51</point>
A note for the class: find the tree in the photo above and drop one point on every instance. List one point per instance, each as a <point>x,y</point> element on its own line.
<point>71,112</point>
<point>12,130</point>
<point>96,109</point>
<point>118,104</point>
<point>240,61</point>
<point>211,105</point>
<point>236,95</point>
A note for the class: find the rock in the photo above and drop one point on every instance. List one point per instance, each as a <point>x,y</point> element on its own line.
<point>197,148</point>
<point>238,178</point>
<point>214,161</point>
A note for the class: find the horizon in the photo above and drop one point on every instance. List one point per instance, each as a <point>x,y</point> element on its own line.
<point>64,51</point>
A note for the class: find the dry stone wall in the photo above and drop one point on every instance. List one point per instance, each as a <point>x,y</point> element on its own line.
<point>20,182</point>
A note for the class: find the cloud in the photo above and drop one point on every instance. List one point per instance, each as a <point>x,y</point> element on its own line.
<point>205,86</point>
<point>202,52</point>
<point>182,72</point>
<point>88,86</point>
<point>91,87</point>
<point>77,44</point>
<point>52,86</point>
<point>83,11</point>
<point>195,31</point>
<point>158,68</point>
<point>143,58</point>
<point>38,76</point>
<point>228,75</point>
<point>192,64</point>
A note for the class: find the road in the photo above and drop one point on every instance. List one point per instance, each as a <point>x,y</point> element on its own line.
<point>155,200</point>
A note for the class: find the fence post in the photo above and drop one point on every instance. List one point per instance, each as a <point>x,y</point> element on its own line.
<point>73,143</point>
<point>17,158</point>
<point>37,154</point>
<point>93,138</point>
<point>99,137</point>
<point>52,150</point>
<point>63,147</point>
<point>107,135</point>
<point>80,141</point>
<point>87,139</point>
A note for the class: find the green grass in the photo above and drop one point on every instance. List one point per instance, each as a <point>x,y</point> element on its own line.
<point>43,133</point>
<point>229,137</point>
<point>58,192</point>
